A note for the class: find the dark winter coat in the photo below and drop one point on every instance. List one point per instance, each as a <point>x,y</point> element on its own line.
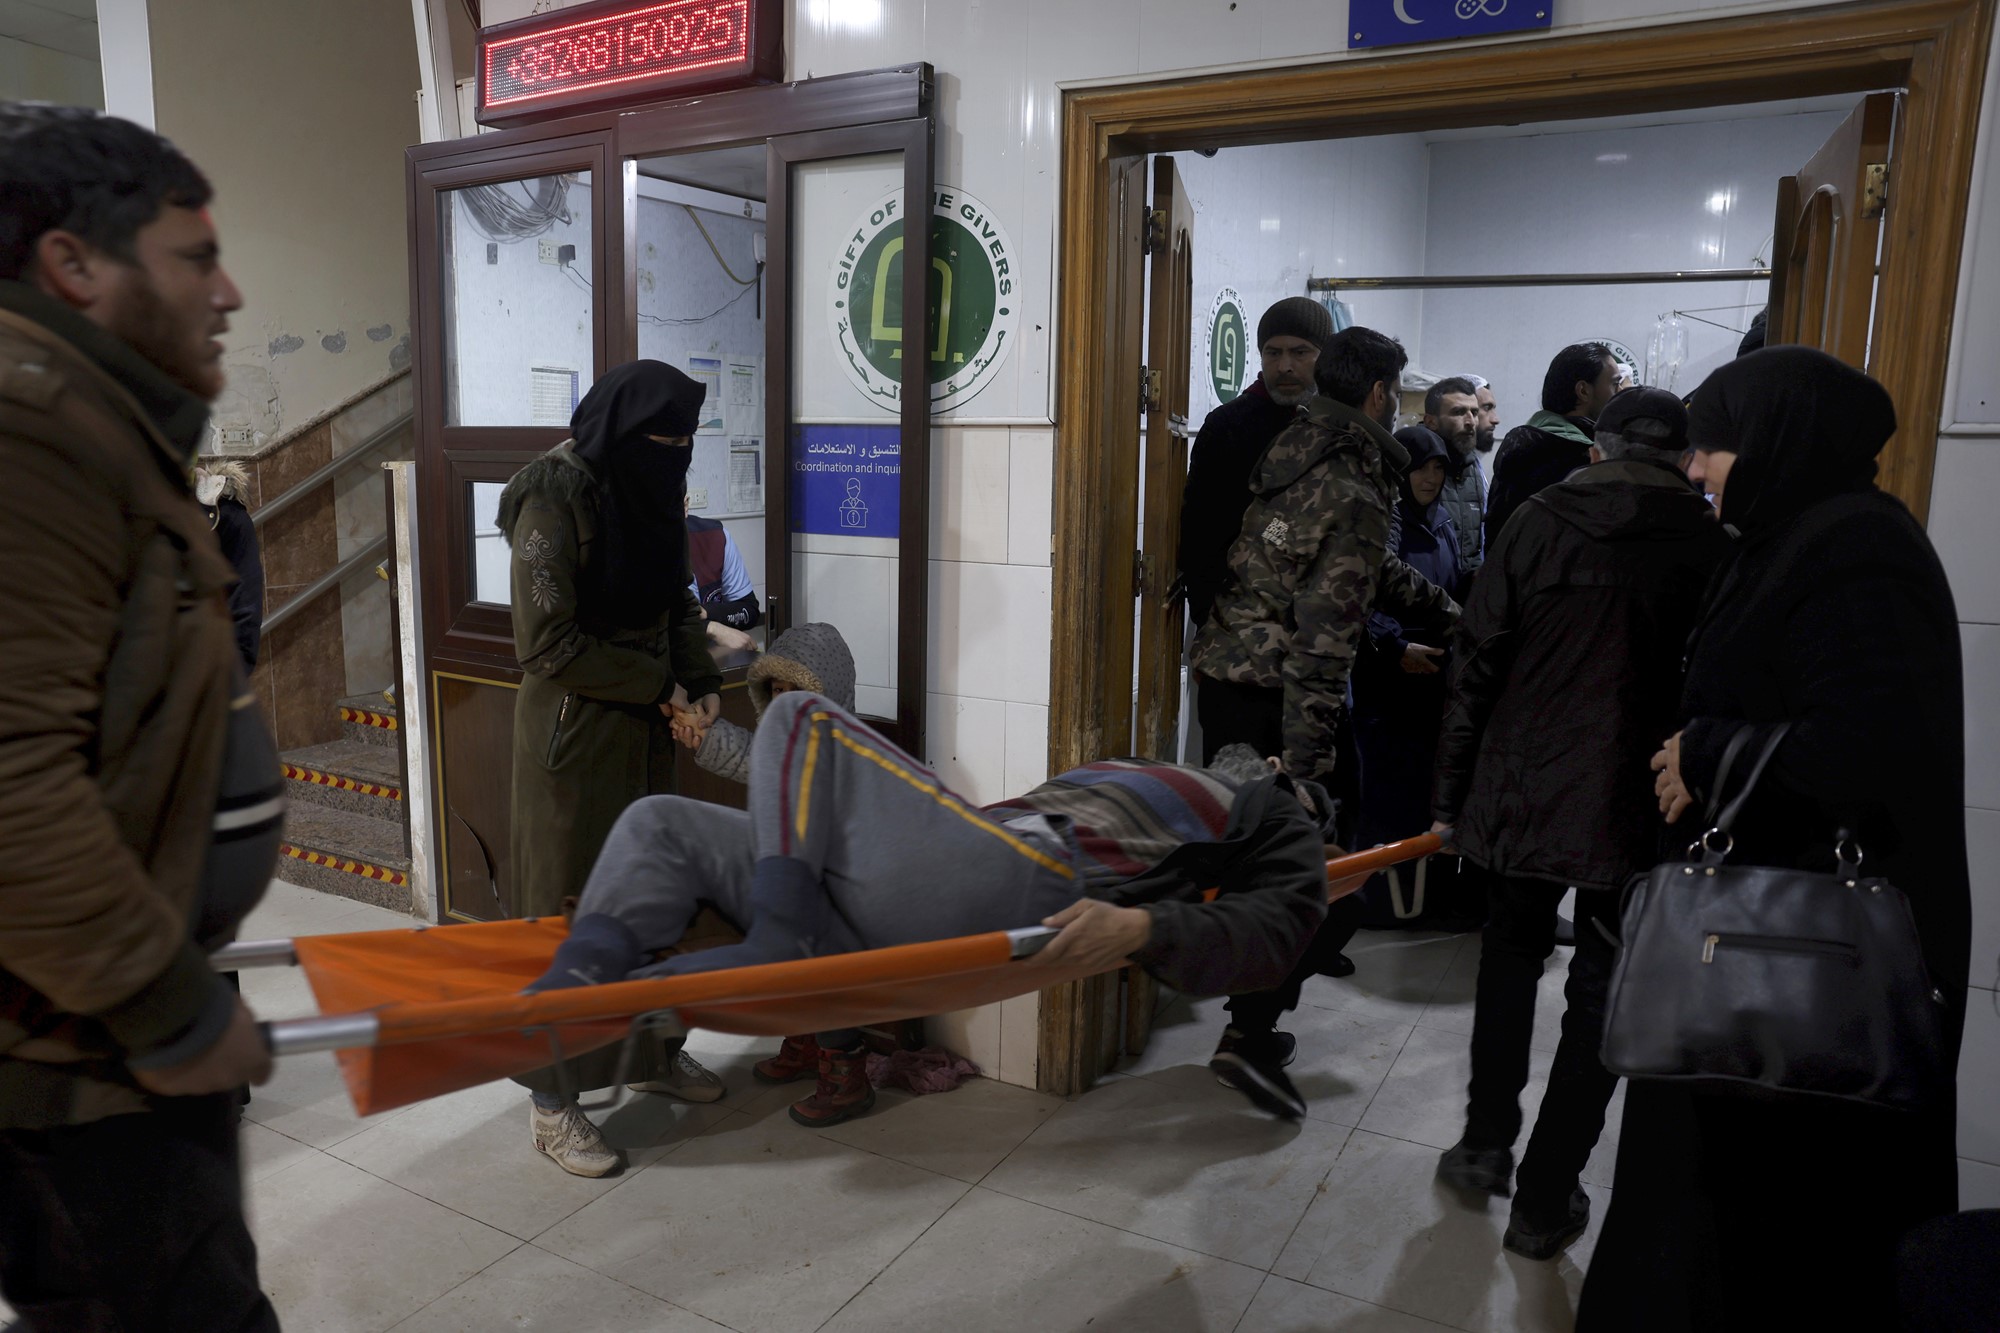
<point>1397,713</point>
<point>1568,673</point>
<point>220,485</point>
<point>1532,457</point>
<point>1464,498</point>
<point>589,737</point>
<point>1232,439</point>
<point>1832,614</point>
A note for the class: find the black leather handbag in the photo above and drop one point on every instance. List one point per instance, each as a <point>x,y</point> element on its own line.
<point>1766,978</point>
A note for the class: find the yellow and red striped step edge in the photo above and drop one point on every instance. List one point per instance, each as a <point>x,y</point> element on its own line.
<point>341,863</point>
<point>366,718</point>
<point>295,773</point>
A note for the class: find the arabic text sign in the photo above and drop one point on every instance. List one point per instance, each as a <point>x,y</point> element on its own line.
<point>847,480</point>
<point>1396,22</point>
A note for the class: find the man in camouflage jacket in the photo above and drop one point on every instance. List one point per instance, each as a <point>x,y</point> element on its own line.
<point>1314,556</point>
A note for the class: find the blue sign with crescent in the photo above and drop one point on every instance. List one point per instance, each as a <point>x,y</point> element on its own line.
<point>1398,22</point>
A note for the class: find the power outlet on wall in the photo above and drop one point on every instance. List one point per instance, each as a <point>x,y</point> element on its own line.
<point>545,251</point>
<point>228,435</point>
<point>697,499</point>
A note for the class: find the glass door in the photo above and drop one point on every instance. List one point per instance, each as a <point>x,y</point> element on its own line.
<point>515,297</point>
<point>849,414</point>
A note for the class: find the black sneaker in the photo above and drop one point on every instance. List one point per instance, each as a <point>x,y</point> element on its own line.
<point>1540,1238</point>
<point>1477,1170</point>
<point>1254,1064</point>
<point>1340,965</point>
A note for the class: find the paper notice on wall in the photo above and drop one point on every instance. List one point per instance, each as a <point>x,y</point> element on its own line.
<point>552,392</point>
<point>746,474</point>
<point>743,394</point>
<point>708,370</point>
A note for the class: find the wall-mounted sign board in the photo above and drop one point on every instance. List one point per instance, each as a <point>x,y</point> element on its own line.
<point>1400,22</point>
<point>625,51</point>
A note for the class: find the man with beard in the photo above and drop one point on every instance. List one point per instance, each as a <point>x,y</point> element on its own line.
<point>1272,660</point>
<point>1556,441</point>
<point>1489,423</point>
<point>1232,439</point>
<point>1451,411</point>
<point>140,797</point>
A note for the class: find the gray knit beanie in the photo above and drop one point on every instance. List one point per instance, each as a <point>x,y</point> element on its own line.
<point>1295,317</point>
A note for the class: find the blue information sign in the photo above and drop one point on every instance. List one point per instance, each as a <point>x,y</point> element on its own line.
<point>847,480</point>
<point>1396,22</point>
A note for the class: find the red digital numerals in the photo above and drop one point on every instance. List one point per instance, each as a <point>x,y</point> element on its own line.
<point>674,38</point>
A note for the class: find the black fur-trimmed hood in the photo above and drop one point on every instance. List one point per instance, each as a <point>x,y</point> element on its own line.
<point>557,475</point>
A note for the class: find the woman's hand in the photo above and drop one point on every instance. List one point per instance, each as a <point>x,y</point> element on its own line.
<point>1095,935</point>
<point>676,703</point>
<point>692,721</point>
<point>1674,796</point>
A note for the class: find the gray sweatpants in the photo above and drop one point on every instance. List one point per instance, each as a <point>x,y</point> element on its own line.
<point>902,858</point>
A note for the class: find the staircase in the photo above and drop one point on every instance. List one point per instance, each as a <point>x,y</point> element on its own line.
<point>346,826</point>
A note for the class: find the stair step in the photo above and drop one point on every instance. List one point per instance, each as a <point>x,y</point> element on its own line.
<point>370,719</point>
<point>346,854</point>
<point>346,775</point>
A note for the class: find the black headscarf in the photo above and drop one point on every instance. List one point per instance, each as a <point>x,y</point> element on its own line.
<point>1423,444</point>
<point>1804,427</point>
<point>641,561</point>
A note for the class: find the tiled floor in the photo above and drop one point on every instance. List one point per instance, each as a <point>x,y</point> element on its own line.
<point>1157,1202</point>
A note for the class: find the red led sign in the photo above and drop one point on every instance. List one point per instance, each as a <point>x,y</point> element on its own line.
<point>599,55</point>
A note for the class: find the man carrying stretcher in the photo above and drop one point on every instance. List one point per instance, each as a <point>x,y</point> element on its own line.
<point>848,843</point>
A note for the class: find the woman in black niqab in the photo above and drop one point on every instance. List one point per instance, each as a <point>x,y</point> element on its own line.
<point>1833,615</point>
<point>1804,427</point>
<point>619,429</point>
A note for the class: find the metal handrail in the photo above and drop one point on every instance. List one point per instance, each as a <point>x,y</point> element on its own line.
<point>325,473</point>
<point>375,550</point>
<point>1467,280</point>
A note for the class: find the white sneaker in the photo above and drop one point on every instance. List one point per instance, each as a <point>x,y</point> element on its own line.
<point>687,1080</point>
<point>568,1137</point>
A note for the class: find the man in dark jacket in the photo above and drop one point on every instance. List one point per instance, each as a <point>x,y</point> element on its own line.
<point>1556,440</point>
<point>1569,666</point>
<point>1233,438</point>
<point>140,799</point>
<point>1452,413</point>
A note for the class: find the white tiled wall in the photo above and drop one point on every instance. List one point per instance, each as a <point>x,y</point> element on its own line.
<point>1699,195</point>
<point>1267,218</point>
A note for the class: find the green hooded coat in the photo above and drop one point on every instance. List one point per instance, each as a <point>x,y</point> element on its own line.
<point>589,736</point>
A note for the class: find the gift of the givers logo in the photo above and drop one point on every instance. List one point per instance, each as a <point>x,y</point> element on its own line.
<point>1228,345</point>
<point>974,305</point>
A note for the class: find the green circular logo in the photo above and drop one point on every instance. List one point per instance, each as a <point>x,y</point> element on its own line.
<point>973,307</point>
<point>1228,345</point>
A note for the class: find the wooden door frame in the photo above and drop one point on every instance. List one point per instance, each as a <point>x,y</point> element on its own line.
<point>1936,49</point>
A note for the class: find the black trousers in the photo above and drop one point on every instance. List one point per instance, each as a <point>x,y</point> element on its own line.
<point>1520,935</point>
<point>132,1224</point>
<point>1259,1011</point>
<point>1255,716</point>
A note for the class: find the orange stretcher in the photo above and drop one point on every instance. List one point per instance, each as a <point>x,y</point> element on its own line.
<point>414,1014</point>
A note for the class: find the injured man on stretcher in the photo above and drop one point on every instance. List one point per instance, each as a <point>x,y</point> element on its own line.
<point>848,843</point>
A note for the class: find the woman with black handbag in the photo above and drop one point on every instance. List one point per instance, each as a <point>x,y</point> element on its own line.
<point>1741,1205</point>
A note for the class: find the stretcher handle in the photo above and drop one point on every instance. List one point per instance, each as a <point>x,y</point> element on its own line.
<point>1388,854</point>
<point>254,953</point>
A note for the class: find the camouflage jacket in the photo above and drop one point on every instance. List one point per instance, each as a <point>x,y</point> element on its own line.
<point>1312,560</point>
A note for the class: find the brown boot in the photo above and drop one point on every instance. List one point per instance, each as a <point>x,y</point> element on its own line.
<point>843,1091</point>
<point>798,1058</point>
